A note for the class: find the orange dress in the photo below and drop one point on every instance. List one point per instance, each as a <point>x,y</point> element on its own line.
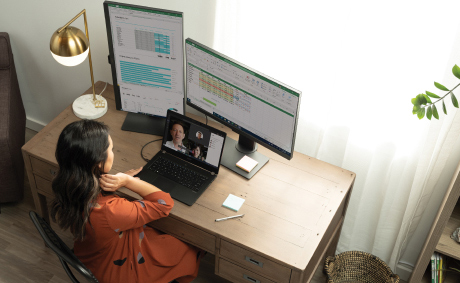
<point>121,248</point>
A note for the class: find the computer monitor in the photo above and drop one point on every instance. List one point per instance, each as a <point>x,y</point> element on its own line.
<point>146,53</point>
<point>260,109</point>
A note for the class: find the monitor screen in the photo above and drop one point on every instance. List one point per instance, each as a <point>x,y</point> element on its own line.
<point>257,107</point>
<point>147,58</point>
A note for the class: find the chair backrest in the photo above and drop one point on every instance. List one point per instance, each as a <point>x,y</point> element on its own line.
<point>65,255</point>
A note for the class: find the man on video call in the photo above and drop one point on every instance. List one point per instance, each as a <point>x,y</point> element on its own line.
<point>178,134</point>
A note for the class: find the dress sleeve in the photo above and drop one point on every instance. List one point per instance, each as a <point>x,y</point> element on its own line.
<point>123,214</point>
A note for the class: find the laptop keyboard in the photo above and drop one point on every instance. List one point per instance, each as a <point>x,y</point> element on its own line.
<point>178,173</point>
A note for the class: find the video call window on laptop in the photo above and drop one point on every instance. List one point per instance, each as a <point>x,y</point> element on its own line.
<point>194,141</point>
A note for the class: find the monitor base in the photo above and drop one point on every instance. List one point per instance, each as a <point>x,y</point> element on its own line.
<point>145,124</point>
<point>232,155</point>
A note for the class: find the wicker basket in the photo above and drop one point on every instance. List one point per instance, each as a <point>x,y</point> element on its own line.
<point>356,266</point>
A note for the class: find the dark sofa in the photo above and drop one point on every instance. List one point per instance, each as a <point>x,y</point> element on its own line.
<point>12,127</point>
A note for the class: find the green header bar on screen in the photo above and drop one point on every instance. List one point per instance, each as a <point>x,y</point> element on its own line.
<point>146,10</point>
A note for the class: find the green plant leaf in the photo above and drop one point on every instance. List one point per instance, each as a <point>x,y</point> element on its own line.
<point>429,113</point>
<point>414,101</point>
<point>428,100</point>
<point>421,99</point>
<point>454,100</point>
<point>432,94</point>
<point>435,112</point>
<point>415,109</point>
<point>421,113</point>
<point>444,107</point>
<point>440,86</point>
<point>456,71</point>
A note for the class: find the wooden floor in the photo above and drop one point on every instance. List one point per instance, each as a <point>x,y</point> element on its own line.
<point>24,258</point>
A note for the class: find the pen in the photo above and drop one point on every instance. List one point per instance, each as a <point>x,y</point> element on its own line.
<point>230,217</point>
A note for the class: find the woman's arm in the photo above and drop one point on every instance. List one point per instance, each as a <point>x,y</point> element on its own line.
<point>123,214</point>
<point>112,183</point>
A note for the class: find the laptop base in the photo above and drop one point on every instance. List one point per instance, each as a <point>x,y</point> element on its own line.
<point>176,190</point>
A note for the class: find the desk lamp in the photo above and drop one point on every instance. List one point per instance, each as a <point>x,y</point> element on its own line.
<point>69,46</point>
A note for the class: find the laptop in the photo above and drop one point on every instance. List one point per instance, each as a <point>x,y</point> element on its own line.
<point>189,159</point>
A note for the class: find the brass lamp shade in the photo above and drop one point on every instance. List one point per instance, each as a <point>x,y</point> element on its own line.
<point>70,46</point>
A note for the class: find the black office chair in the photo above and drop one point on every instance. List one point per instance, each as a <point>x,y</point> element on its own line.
<point>65,255</point>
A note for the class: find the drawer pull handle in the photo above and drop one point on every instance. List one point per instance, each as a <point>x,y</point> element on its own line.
<point>250,279</point>
<point>253,261</point>
<point>53,172</point>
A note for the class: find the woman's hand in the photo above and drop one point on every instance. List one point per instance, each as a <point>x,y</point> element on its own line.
<point>133,172</point>
<point>111,183</point>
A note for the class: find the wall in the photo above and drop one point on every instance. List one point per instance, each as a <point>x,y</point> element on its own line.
<point>47,87</point>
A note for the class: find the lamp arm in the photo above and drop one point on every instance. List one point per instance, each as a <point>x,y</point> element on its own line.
<point>73,20</point>
<point>89,51</point>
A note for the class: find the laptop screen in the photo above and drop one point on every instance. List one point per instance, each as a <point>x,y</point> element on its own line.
<point>194,141</point>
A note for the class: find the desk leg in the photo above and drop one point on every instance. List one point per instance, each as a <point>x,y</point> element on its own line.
<point>44,208</point>
<point>329,250</point>
<point>39,200</point>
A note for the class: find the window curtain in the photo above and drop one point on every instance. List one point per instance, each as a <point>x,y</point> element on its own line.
<point>358,64</point>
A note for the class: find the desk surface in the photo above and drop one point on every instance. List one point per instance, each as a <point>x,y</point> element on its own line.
<point>291,206</point>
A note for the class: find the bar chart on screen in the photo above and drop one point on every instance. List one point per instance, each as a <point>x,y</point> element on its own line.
<point>147,75</point>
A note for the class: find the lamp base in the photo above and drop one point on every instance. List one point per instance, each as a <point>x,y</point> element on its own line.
<point>83,107</point>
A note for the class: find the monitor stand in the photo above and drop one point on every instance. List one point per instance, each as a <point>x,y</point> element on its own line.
<point>145,124</point>
<point>234,151</point>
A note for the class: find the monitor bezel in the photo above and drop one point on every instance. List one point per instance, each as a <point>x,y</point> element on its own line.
<point>235,129</point>
<point>116,87</point>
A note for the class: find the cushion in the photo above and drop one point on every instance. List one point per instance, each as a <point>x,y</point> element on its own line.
<point>4,56</point>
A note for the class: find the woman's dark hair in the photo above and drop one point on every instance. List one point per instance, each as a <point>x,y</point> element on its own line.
<point>81,153</point>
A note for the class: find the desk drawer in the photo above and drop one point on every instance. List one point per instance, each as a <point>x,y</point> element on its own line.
<point>236,273</point>
<point>255,262</point>
<point>43,169</point>
<point>43,185</point>
<point>186,232</point>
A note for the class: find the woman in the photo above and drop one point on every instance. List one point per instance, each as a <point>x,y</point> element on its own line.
<point>196,151</point>
<point>111,236</point>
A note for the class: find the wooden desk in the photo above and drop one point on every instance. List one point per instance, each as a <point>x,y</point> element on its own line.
<point>293,210</point>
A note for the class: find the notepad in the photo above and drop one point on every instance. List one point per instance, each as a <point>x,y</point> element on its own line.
<point>233,202</point>
<point>247,163</point>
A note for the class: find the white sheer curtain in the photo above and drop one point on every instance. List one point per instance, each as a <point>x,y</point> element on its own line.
<point>358,63</point>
